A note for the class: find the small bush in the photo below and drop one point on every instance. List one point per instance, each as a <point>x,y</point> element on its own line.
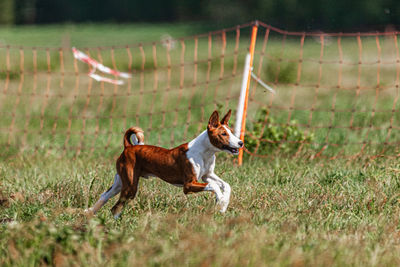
<point>286,137</point>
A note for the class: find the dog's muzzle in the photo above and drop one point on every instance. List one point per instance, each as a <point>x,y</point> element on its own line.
<point>233,150</point>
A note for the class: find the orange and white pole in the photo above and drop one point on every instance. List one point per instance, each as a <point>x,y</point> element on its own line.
<point>243,101</point>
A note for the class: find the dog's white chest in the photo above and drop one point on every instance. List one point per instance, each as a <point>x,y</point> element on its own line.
<point>202,166</point>
<point>201,154</point>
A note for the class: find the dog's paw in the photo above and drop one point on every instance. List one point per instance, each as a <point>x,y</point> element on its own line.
<point>223,205</point>
<point>117,216</point>
<point>89,212</point>
<point>223,208</point>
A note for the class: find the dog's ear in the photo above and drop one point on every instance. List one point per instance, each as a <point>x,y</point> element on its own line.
<point>214,120</point>
<point>226,118</point>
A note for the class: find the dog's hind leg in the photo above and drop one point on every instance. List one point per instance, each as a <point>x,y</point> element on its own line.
<point>111,192</point>
<point>128,192</point>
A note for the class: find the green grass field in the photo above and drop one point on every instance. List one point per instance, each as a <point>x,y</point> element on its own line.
<point>61,132</point>
<point>282,213</point>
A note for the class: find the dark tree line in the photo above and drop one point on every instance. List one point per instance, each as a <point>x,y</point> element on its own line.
<point>289,14</point>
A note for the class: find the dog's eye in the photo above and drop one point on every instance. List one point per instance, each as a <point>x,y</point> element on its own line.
<point>224,134</point>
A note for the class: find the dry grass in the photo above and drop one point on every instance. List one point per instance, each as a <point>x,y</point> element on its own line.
<point>283,212</point>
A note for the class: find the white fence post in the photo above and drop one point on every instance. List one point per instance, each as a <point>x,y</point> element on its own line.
<point>239,111</point>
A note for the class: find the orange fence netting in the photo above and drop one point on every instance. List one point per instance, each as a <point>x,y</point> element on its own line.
<point>336,94</point>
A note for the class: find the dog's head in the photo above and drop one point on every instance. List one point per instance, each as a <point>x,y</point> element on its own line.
<point>221,135</point>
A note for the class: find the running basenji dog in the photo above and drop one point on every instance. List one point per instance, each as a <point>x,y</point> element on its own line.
<point>183,166</point>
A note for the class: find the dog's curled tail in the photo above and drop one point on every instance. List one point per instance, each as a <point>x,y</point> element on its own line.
<point>138,132</point>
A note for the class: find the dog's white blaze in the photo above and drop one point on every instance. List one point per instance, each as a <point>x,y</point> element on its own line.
<point>233,140</point>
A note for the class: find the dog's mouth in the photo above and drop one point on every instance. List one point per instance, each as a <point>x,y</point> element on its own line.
<point>233,150</point>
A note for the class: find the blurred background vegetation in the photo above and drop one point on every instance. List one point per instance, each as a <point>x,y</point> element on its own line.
<point>327,15</point>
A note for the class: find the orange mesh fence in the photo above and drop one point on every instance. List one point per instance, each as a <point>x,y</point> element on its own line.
<point>50,105</point>
<point>337,94</point>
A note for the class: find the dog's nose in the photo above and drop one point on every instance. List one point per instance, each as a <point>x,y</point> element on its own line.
<point>240,143</point>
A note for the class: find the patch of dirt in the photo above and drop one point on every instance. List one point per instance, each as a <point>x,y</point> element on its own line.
<point>4,199</point>
<point>59,259</point>
<point>18,196</point>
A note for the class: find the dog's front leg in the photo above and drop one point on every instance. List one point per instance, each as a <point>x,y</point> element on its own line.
<point>222,185</point>
<point>194,186</point>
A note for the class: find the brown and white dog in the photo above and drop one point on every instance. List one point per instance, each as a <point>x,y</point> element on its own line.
<point>182,166</point>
